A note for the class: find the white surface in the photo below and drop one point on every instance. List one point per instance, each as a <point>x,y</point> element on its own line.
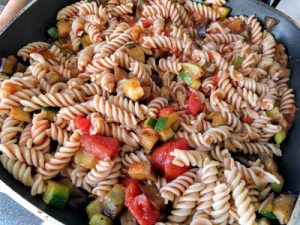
<point>291,8</point>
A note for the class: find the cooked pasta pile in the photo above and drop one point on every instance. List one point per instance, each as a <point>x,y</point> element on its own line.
<point>118,65</point>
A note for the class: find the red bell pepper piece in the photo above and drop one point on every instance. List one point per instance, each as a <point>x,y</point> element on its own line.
<point>166,111</point>
<point>100,146</point>
<point>83,124</point>
<point>161,158</point>
<point>140,206</point>
<point>194,105</point>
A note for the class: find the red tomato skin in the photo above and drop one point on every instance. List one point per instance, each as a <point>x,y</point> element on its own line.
<point>194,104</point>
<point>83,124</point>
<point>128,180</point>
<point>248,120</point>
<point>161,158</point>
<point>140,206</point>
<point>100,146</point>
<point>215,80</point>
<point>147,23</point>
<point>166,111</point>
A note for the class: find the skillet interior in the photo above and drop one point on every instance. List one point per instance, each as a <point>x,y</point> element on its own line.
<point>31,26</point>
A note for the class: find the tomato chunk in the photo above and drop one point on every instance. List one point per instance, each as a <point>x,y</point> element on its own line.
<point>194,104</point>
<point>83,124</point>
<point>162,160</point>
<point>248,120</point>
<point>100,146</point>
<point>128,180</point>
<point>147,23</point>
<point>166,111</point>
<point>140,206</point>
<point>215,80</point>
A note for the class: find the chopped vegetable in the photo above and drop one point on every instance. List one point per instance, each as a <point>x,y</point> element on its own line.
<point>100,219</point>
<point>176,125</point>
<point>78,198</point>
<point>277,187</point>
<point>53,78</point>
<point>217,119</point>
<point>167,134</point>
<point>85,41</point>
<point>50,112</point>
<point>195,84</point>
<point>154,196</point>
<point>83,124</point>
<point>64,28</point>
<point>13,60</point>
<point>248,120</point>
<point>94,208</point>
<point>266,208</point>
<point>127,180</point>
<point>288,72</point>
<point>127,219</point>
<point>273,113</point>
<point>270,165</point>
<point>53,32</point>
<point>148,138</point>
<point>194,104</point>
<point>20,68</point>
<point>3,77</point>
<point>100,146</point>
<point>150,122</point>
<point>165,92</point>
<point>141,171</point>
<point>113,202</point>
<point>18,113</point>
<point>238,61</point>
<point>166,111</point>
<point>263,221</point>
<point>283,207</point>
<point>166,122</point>
<point>120,74</point>
<point>190,73</point>
<point>161,158</point>
<point>133,89</point>
<point>223,11</point>
<point>140,206</point>
<point>280,136</point>
<point>56,194</point>
<point>6,66</point>
<point>270,23</point>
<point>86,160</point>
<point>135,51</point>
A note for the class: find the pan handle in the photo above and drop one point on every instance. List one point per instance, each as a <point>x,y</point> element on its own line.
<point>273,3</point>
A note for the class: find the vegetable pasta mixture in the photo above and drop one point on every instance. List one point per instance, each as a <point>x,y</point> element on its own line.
<point>151,112</point>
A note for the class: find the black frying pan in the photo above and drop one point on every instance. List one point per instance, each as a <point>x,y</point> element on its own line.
<point>33,22</point>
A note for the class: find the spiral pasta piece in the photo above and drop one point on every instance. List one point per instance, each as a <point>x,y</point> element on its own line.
<point>62,157</point>
<point>208,176</point>
<point>18,169</point>
<point>32,48</point>
<point>240,194</point>
<point>40,139</point>
<point>130,106</point>
<point>188,158</point>
<point>176,187</point>
<point>10,129</point>
<point>221,205</point>
<point>184,205</point>
<point>58,134</point>
<point>104,186</point>
<point>97,174</point>
<point>113,112</point>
